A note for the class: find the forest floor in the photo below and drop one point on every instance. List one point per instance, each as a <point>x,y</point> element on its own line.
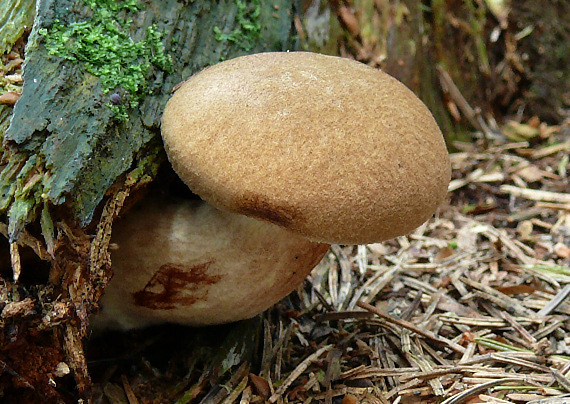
<point>470,307</point>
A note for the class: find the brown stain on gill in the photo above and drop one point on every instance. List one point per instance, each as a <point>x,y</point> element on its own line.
<point>260,208</point>
<point>175,285</point>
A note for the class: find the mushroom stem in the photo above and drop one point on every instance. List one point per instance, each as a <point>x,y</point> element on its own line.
<point>187,262</point>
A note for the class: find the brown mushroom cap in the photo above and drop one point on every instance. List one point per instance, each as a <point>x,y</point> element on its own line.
<point>186,262</point>
<point>324,146</point>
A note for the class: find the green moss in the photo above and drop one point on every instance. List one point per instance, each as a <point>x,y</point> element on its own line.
<point>248,30</point>
<point>107,50</point>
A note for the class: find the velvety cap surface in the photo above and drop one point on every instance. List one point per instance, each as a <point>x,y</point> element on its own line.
<point>327,147</point>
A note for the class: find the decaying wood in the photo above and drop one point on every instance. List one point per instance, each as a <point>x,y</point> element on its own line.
<point>69,163</point>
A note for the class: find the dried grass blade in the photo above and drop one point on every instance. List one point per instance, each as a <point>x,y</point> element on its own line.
<point>406,324</point>
<point>544,331</point>
<point>298,371</point>
<point>233,396</point>
<point>486,322</point>
<point>518,327</point>
<point>555,302</point>
<point>426,367</point>
<point>402,387</point>
<point>562,380</point>
<point>458,398</point>
<point>535,194</point>
<point>565,399</point>
<point>374,285</point>
<point>501,299</point>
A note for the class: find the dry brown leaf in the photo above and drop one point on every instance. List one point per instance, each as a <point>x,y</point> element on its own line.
<point>516,289</point>
<point>444,253</point>
<point>260,385</point>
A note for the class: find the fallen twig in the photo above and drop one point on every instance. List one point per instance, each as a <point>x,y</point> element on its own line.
<point>535,194</point>
<point>406,324</point>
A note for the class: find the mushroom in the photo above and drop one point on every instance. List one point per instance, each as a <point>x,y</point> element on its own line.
<point>290,152</point>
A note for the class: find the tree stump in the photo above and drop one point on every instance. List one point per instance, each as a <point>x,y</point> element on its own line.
<point>84,135</point>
